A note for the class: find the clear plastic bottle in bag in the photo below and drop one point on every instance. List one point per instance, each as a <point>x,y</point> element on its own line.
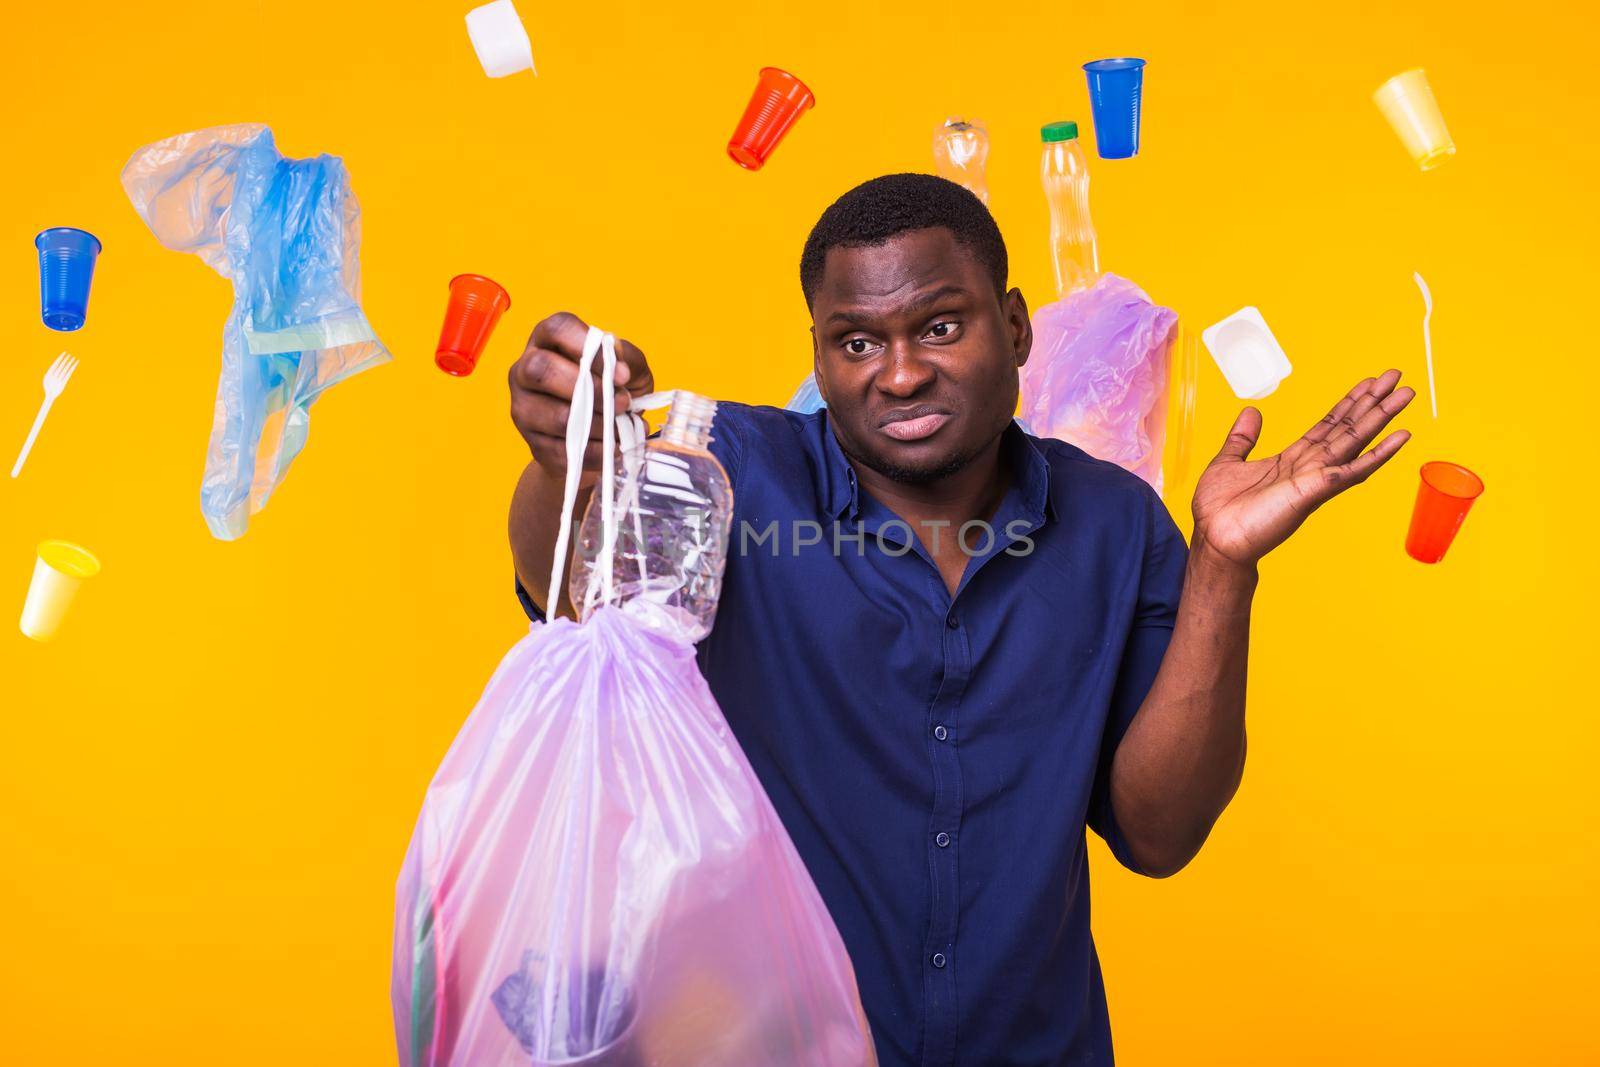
<point>675,508</point>
<point>961,152</point>
<point>1064,171</point>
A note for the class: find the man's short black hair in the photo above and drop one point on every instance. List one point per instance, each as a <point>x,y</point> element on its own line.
<point>886,207</point>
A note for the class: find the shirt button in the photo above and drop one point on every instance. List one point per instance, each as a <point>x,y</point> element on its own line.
<point>940,732</point>
<point>953,622</point>
<point>938,960</point>
<point>943,840</point>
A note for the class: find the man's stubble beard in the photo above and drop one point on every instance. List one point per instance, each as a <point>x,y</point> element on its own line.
<point>920,475</point>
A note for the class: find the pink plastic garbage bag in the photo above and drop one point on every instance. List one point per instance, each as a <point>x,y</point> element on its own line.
<point>1097,376</point>
<point>598,878</point>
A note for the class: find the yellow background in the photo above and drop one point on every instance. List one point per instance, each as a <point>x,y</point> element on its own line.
<point>210,778</point>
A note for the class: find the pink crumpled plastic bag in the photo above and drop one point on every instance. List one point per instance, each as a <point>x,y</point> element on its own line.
<point>598,877</point>
<point>1097,377</point>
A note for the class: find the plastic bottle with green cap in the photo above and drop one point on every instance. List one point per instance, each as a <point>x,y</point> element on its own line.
<point>1064,170</point>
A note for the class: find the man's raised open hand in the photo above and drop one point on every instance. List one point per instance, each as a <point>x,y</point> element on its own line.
<point>1244,508</point>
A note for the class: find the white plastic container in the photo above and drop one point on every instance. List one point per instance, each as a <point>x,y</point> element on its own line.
<point>1249,357</point>
<point>499,39</point>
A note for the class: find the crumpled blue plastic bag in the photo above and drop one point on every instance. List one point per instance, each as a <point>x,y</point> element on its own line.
<point>806,399</point>
<point>287,233</point>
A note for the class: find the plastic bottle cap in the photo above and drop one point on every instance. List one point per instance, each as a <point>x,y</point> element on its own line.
<point>1059,131</point>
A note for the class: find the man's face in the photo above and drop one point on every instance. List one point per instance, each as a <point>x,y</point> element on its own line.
<point>916,354</point>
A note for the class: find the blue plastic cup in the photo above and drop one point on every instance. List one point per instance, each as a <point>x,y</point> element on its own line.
<point>1115,86</point>
<point>66,267</point>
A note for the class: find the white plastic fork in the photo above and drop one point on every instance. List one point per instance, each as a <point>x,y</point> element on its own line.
<point>55,380</point>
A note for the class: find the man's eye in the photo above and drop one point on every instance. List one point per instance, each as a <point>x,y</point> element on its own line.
<point>942,329</point>
<point>857,346</point>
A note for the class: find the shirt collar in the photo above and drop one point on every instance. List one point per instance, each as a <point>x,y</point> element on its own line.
<point>840,492</point>
<point>1031,470</point>
<point>1032,473</point>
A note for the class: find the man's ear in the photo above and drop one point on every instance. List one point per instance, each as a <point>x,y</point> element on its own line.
<point>816,366</point>
<point>1016,309</point>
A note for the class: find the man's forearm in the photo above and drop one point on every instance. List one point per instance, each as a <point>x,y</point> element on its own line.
<point>1182,758</point>
<point>535,524</point>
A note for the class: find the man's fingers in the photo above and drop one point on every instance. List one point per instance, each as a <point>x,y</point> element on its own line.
<point>1382,387</point>
<point>550,452</point>
<point>562,332</point>
<point>632,369</point>
<point>544,378</point>
<point>1349,440</point>
<point>1330,421</point>
<point>1331,441</point>
<point>544,370</point>
<point>1242,438</point>
<point>544,414</point>
<point>562,336</point>
<point>1337,479</point>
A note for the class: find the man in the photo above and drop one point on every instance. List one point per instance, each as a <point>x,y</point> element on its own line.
<point>937,714</point>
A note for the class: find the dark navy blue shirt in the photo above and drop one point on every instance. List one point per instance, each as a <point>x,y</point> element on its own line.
<point>936,759</point>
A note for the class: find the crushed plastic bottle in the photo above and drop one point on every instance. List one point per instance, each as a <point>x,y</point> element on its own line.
<point>675,508</point>
<point>961,152</point>
<point>1064,171</point>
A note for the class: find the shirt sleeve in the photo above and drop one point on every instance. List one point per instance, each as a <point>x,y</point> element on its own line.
<point>727,440</point>
<point>532,609</point>
<point>1160,587</point>
<point>726,444</point>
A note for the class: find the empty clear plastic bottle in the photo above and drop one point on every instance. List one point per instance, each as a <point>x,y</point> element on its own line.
<point>1064,170</point>
<point>961,152</point>
<point>673,508</point>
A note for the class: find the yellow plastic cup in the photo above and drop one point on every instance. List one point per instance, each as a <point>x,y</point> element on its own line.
<point>58,572</point>
<point>1406,100</point>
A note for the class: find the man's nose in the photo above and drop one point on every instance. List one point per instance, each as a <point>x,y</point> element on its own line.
<point>904,373</point>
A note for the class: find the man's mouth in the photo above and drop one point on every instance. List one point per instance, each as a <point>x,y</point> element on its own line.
<point>914,423</point>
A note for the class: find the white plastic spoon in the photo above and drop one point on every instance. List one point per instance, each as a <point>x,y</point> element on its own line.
<point>1427,340</point>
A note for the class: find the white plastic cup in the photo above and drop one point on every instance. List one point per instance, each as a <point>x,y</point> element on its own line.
<point>500,39</point>
<point>1249,357</point>
<point>1406,100</point>
<point>57,573</point>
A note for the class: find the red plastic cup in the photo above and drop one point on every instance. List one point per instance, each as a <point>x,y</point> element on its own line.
<point>779,99</point>
<point>1446,493</point>
<point>476,304</point>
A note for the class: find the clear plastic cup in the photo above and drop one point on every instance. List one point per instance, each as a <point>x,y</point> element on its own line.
<point>1406,100</point>
<point>1443,500</point>
<point>476,304</point>
<point>61,567</point>
<point>66,268</point>
<point>1116,89</point>
<point>779,99</point>
<point>1186,375</point>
